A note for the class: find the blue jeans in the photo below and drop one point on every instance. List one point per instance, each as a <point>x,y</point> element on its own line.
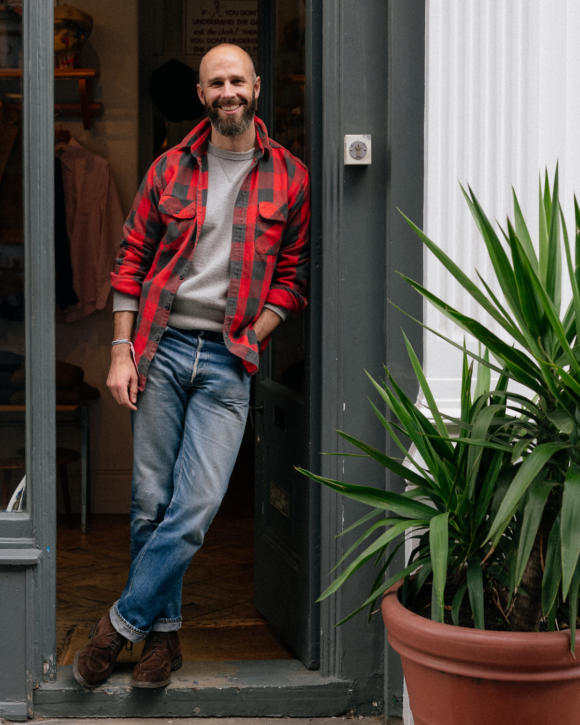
<point>187,432</point>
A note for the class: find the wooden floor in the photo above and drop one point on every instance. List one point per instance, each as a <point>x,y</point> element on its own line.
<point>220,620</point>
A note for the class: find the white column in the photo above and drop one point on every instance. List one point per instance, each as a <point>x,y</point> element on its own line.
<point>502,105</point>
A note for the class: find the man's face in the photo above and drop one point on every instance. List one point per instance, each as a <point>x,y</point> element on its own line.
<point>228,90</point>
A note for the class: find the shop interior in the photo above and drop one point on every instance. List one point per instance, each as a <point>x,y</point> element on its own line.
<point>125,91</point>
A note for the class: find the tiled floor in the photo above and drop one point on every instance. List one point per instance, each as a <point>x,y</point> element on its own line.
<point>220,620</point>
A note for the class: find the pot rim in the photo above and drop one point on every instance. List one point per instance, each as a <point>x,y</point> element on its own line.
<point>490,654</point>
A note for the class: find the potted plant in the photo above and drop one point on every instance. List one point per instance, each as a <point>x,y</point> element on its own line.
<point>484,610</point>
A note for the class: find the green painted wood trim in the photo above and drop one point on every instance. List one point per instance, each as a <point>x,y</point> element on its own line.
<point>313,115</point>
<point>20,557</point>
<point>353,87</point>
<point>17,711</point>
<point>15,525</point>
<point>16,542</point>
<point>405,133</point>
<point>38,147</point>
<point>35,571</point>
<point>281,688</point>
<point>330,213</point>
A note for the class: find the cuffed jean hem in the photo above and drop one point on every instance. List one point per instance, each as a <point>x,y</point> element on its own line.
<point>123,627</point>
<point>137,635</point>
<point>166,625</point>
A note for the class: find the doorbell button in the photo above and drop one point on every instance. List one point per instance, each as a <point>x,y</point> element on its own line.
<point>357,149</point>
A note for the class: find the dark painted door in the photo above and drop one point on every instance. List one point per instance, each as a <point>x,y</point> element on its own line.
<point>286,509</point>
<point>286,515</point>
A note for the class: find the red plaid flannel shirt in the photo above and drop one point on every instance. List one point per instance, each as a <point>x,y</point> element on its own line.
<point>269,253</point>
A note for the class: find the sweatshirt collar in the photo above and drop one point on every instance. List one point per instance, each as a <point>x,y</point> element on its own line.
<point>198,139</point>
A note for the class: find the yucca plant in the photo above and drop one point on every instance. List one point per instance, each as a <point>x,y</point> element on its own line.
<point>493,508</point>
<point>456,470</point>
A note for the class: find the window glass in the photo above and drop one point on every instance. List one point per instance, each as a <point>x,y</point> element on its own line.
<point>288,350</point>
<point>12,346</point>
<point>289,75</point>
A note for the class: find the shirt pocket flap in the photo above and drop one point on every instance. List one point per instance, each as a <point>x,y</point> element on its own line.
<point>272,211</point>
<point>178,208</point>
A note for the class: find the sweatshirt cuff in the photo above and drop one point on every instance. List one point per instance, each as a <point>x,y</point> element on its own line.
<point>280,311</point>
<point>125,303</point>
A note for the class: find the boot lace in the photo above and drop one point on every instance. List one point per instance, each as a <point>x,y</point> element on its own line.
<point>112,640</point>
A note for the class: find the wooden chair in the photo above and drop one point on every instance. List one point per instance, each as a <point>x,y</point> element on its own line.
<point>7,465</point>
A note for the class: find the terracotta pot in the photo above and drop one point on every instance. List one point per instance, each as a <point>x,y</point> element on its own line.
<point>461,676</point>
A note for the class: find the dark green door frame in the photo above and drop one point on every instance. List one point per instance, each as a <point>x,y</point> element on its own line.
<point>27,540</point>
<point>372,82</point>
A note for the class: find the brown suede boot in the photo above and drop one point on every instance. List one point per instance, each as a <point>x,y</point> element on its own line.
<point>95,662</point>
<point>161,656</point>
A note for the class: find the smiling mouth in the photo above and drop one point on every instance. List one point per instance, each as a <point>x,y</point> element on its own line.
<point>230,108</point>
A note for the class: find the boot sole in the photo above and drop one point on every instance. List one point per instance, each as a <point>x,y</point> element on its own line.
<point>141,684</point>
<point>80,679</point>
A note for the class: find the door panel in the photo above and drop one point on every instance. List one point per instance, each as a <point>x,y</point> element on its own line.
<point>286,552</point>
<point>286,521</point>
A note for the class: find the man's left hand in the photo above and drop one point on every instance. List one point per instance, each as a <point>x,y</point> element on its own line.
<point>266,323</point>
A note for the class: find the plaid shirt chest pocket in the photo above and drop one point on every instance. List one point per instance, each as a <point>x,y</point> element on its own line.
<point>180,219</point>
<point>270,225</point>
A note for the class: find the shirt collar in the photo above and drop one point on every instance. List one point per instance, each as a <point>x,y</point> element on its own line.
<point>198,139</point>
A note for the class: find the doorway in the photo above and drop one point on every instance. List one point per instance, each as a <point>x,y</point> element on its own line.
<point>346,43</point>
<point>261,542</point>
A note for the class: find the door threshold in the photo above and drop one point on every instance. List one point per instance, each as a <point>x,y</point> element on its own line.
<point>249,688</point>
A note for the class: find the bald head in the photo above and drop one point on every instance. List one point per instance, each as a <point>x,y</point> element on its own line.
<point>229,89</point>
<point>222,53</point>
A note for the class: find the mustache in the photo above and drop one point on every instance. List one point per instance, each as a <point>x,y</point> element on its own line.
<point>237,102</point>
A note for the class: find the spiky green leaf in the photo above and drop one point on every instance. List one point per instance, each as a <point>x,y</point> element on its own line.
<point>523,479</point>
<point>439,549</point>
<point>570,528</point>
<point>533,510</point>
<point>475,591</point>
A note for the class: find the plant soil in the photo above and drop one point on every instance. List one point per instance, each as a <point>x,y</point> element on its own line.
<point>493,614</point>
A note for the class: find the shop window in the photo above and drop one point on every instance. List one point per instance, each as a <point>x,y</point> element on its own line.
<point>12,344</point>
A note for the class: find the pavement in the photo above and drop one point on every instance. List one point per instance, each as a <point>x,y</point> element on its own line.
<point>355,720</point>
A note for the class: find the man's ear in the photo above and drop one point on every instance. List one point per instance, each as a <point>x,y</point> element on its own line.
<point>200,94</point>
<point>257,86</point>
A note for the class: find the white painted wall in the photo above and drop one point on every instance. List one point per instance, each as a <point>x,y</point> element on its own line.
<point>502,104</point>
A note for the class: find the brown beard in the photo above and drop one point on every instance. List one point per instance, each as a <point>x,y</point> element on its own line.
<point>229,126</point>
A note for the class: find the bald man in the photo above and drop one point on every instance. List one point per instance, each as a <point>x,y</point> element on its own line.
<point>213,258</point>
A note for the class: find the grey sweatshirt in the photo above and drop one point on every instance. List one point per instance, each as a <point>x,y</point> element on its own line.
<point>200,301</point>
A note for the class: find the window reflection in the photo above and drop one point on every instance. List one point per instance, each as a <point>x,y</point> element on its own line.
<point>288,348</point>
<point>12,372</point>
<point>289,75</point>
